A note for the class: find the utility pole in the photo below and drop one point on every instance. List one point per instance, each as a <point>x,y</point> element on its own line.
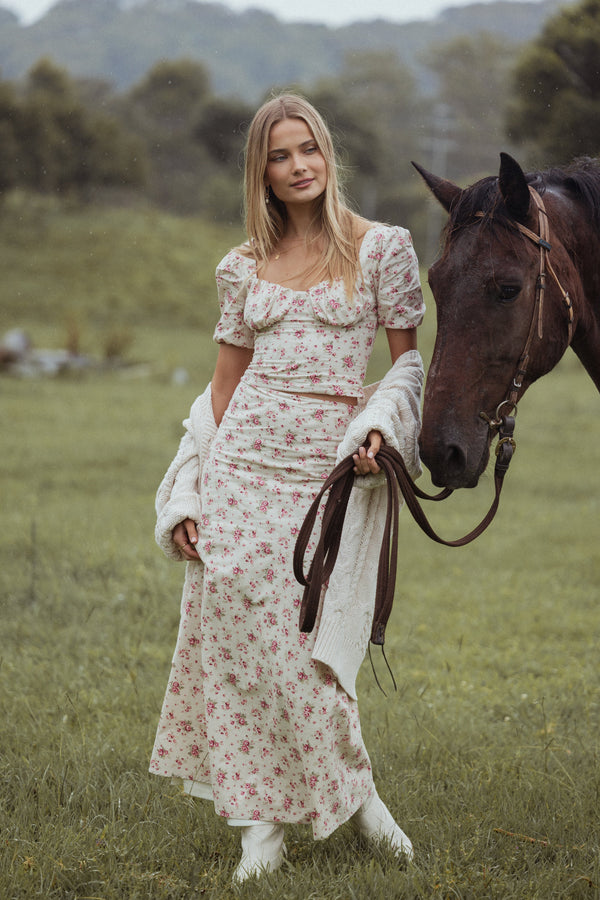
<point>439,145</point>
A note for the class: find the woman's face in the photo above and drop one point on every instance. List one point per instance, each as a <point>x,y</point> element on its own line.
<point>296,169</point>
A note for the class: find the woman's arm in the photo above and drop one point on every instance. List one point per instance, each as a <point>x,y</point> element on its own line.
<point>232,362</point>
<point>399,340</point>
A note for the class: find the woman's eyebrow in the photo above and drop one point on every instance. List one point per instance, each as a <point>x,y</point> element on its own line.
<point>285,149</point>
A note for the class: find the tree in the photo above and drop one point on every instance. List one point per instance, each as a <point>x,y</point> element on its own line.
<point>8,138</point>
<point>62,146</point>
<point>221,129</point>
<point>467,118</point>
<point>374,108</point>
<point>170,97</point>
<point>555,111</point>
<point>163,111</point>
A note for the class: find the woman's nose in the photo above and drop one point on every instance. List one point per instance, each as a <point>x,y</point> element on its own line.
<point>299,164</point>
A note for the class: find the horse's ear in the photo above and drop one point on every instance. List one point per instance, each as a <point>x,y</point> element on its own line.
<point>513,187</point>
<point>444,191</point>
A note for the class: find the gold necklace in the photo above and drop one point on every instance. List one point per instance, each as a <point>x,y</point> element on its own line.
<point>287,249</point>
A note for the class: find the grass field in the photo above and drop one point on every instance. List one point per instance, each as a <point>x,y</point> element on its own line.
<point>488,753</point>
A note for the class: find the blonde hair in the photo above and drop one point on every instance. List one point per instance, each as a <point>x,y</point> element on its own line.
<point>335,226</point>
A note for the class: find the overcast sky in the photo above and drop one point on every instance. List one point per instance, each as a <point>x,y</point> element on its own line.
<point>331,12</point>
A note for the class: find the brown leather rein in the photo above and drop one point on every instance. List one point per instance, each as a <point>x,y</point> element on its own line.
<point>340,482</point>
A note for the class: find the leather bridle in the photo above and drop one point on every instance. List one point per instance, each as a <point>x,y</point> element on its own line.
<point>542,241</point>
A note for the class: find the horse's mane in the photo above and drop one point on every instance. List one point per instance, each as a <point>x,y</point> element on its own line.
<point>581,179</point>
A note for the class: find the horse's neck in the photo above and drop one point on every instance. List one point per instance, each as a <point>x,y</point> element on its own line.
<point>586,340</point>
<point>587,347</point>
<point>584,246</point>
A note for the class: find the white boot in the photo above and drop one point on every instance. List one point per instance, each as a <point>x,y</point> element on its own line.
<point>375,822</point>
<point>262,850</point>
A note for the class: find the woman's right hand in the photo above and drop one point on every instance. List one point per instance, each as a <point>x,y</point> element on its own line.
<point>365,461</point>
<point>185,537</point>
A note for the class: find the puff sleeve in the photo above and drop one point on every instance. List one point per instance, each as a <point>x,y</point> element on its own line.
<point>398,287</point>
<point>232,279</point>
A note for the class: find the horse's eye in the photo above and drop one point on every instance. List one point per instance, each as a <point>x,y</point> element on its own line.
<point>508,292</point>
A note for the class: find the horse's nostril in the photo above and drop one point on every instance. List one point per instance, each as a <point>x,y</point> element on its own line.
<point>455,460</point>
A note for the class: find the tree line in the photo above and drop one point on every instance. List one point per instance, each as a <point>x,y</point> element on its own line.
<point>171,140</point>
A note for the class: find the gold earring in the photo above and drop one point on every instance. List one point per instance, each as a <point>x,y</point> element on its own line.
<point>267,194</point>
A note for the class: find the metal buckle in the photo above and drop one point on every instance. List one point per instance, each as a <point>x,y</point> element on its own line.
<point>505,440</point>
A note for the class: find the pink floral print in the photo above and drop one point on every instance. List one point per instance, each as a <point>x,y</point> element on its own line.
<point>248,713</point>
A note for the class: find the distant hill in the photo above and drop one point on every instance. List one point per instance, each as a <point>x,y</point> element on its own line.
<point>246,53</point>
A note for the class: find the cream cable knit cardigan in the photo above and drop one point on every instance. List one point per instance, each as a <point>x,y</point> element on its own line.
<point>393,407</point>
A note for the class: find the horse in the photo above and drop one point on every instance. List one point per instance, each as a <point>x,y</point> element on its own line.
<point>517,282</point>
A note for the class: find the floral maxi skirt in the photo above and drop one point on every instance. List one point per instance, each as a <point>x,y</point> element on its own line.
<point>249,718</point>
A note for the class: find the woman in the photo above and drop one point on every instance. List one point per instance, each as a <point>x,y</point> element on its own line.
<point>252,719</point>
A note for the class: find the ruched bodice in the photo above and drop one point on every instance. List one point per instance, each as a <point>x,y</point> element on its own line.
<point>319,340</point>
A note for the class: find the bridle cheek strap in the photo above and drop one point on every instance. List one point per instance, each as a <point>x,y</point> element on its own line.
<point>542,241</point>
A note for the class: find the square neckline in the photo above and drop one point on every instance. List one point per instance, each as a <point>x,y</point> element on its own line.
<point>319,284</point>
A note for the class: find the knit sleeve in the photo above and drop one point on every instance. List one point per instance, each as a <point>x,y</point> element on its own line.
<point>232,276</point>
<point>399,296</point>
<point>394,409</point>
<point>178,496</point>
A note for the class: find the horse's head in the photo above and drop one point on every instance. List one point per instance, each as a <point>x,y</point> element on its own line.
<point>484,287</point>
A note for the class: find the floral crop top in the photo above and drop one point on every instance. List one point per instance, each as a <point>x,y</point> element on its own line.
<point>320,340</point>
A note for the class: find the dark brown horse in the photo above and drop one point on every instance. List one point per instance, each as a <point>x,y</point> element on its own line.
<point>501,326</point>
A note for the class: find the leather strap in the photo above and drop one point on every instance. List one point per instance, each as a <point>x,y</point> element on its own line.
<point>339,484</point>
<point>542,241</point>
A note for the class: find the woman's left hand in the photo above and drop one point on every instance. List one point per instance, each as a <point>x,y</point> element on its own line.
<point>364,461</point>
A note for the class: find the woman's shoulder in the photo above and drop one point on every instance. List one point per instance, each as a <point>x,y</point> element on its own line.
<point>383,233</point>
<point>381,242</point>
<point>237,264</point>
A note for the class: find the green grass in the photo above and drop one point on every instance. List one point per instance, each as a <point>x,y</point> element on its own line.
<point>487,754</point>
<point>97,268</point>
